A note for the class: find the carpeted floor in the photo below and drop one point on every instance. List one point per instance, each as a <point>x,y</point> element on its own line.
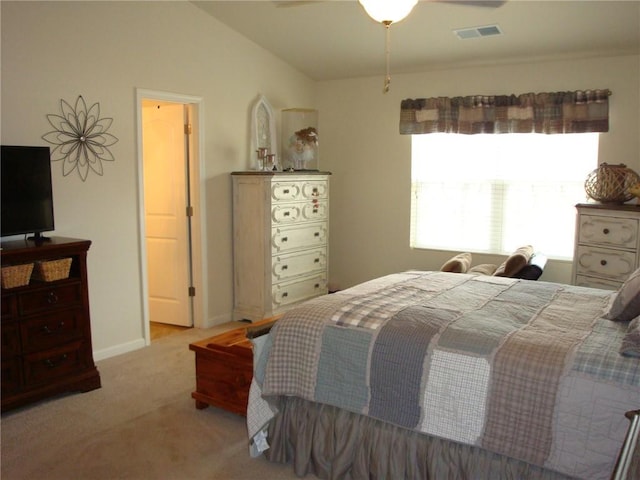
<point>142,424</point>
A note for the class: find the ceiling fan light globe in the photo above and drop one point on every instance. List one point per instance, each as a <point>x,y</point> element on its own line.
<point>388,11</point>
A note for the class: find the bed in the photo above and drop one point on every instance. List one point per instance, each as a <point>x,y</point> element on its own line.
<point>448,375</point>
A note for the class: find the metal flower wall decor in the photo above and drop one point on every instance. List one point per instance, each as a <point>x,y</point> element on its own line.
<point>80,138</point>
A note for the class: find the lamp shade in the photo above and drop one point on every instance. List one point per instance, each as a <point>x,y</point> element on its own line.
<point>388,11</point>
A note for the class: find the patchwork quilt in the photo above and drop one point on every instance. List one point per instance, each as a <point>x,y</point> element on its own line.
<point>525,369</point>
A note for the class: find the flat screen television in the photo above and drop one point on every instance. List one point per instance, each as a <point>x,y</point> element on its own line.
<point>26,195</point>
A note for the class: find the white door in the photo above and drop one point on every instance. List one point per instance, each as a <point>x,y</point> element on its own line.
<point>165,159</point>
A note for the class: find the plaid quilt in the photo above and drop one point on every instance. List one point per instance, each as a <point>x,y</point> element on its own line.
<point>525,369</point>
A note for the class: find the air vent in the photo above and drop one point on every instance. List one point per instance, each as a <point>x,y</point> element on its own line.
<point>477,32</point>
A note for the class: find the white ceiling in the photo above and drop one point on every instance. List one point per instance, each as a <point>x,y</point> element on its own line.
<point>334,39</point>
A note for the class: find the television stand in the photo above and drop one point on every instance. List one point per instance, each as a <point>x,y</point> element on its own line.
<point>45,326</point>
<point>38,238</point>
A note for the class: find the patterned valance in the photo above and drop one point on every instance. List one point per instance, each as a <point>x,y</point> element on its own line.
<point>555,112</point>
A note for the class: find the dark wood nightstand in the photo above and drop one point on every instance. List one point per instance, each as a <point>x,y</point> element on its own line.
<point>224,368</point>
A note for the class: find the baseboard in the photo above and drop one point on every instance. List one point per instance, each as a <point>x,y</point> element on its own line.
<point>118,349</point>
<point>214,321</point>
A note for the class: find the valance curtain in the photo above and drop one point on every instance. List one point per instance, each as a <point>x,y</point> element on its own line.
<point>556,112</point>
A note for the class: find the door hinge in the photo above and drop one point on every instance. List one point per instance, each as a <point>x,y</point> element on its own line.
<point>189,211</point>
<point>187,129</point>
<point>192,291</point>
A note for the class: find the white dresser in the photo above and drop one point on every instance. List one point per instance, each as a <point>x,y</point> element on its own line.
<point>280,240</point>
<point>607,245</point>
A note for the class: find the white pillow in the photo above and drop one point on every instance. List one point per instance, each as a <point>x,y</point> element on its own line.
<point>626,304</point>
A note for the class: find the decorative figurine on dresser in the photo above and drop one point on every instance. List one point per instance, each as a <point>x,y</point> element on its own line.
<point>280,240</point>
<point>46,331</point>
<point>607,244</point>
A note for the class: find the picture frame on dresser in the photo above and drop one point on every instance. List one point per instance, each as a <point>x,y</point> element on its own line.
<point>607,244</point>
<point>263,133</point>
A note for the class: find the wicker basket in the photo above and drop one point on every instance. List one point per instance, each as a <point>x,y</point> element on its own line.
<point>16,275</point>
<point>610,183</point>
<point>52,270</point>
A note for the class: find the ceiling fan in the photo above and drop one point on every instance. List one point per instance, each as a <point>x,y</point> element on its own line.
<point>387,12</point>
<point>475,3</point>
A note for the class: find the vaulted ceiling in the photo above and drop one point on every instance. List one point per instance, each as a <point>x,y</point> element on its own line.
<point>335,39</point>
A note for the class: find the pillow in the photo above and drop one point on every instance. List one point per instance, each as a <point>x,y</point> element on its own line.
<point>529,272</point>
<point>516,262</point>
<point>631,340</point>
<point>533,270</point>
<point>458,264</point>
<point>626,304</point>
<point>483,269</point>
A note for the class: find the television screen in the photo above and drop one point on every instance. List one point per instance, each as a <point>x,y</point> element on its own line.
<point>26,195</point>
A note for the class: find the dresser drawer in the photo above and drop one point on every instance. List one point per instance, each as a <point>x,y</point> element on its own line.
<point>45,299</point>
<point>49,365</point>
<point>287,293</point>
<point>11,375</point>
<point>295,264</point>
<point>41,333</point>
<point>299,190</point>
<point>316,210</point>
<point>286,191</point>
<point>10,339</point>
<point>609,231</point>
<point>298,237</point>
<point>288,213</point>
<point>594,282</point>
<point>602,262</point>
<point>315,189</point>
<point>9,306</point>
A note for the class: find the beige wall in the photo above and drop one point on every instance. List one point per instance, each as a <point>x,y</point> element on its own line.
<point>370,160</point>
<point>104,51</point>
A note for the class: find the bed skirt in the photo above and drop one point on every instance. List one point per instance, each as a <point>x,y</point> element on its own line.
<point>334,444</point>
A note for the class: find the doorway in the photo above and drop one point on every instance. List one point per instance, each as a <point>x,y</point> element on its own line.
<point>170,216</point>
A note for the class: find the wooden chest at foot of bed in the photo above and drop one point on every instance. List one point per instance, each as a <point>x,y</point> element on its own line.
<point>224,368</point>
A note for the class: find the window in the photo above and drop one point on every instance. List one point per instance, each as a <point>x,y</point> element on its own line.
<point>494,193</point>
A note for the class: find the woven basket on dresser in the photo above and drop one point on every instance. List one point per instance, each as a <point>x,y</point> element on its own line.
<point>610,183</point>
<point>52,270</point>
<point>16,275</point>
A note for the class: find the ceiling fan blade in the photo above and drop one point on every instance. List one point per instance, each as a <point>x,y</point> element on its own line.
<point>475,3</point>
<point>294,3</point>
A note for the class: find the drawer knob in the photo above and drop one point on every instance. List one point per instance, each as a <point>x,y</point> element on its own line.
<point>52,298</point>
<point>286,214</point>
<point>285,267</point>
<point>316,260</point>
<point>603,262</point>
<point>52,364</point>
<point>317,285</point>
<point>286,190</point>
<point>317,234</point>
<point>284,239</point>
<point>605,231</point>
<point>47,331</point>
<point>285,294</point>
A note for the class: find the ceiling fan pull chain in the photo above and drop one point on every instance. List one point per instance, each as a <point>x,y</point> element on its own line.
<point>387,54</point>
